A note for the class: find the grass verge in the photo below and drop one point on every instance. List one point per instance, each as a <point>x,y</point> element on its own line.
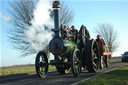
<point>115,59</point>
<point>7,71</point>
<point>25,69</point>
<point>116,77</point>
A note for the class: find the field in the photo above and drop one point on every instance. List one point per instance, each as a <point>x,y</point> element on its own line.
<point>26,69</point>
<point>115,59</point>
<point>116,77</point>
<point>20,70</point>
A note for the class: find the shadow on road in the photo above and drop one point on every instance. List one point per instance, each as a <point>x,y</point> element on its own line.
<point>54,76</point>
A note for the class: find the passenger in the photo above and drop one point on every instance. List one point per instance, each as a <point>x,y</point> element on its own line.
<point>74,32</point>
<point>101,44</point>
<point>63,31</point>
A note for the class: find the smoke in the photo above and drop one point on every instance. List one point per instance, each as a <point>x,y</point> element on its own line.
<point>39,33</point>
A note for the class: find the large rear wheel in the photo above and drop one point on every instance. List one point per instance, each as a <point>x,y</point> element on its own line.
<point>91,56</point>
<point>83,36</point>
<point>75,62</point>
<point>41,64</point>
<point>62,68</point>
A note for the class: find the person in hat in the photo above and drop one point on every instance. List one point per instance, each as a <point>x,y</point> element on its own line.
<point>74,32</point>
<point>101,44</point>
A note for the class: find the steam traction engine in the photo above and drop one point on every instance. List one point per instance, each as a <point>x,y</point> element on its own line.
<point>71,50</point>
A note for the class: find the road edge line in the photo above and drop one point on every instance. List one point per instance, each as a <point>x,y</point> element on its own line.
<point>97,75</point>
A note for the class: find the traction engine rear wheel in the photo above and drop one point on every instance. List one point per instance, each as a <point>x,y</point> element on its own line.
<point>91,56</point>
<point>62,69</point>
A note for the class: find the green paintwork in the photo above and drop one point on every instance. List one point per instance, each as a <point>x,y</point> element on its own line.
<point>70,46</point>
<point>78,41</point>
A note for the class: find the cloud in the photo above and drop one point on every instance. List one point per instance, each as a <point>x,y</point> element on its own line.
<point>5,18</point>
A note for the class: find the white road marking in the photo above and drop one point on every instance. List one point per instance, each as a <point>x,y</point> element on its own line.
<point>97,75</point>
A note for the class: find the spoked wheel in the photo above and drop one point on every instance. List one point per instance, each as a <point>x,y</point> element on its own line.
<point>41,64</point>
<point>107,60</point>
<point>75,62</point>
<point>62,69</point>
<point>91,56</point>
<point>102,63</point>
<point>82,36</point>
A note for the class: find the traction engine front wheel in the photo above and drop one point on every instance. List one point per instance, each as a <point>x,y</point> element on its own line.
<point>41,64</point>
<point>75,63</point>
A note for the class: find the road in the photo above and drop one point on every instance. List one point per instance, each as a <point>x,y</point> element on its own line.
<point>53,78</point>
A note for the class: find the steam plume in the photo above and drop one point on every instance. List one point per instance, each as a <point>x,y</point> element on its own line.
<point>39,34</point>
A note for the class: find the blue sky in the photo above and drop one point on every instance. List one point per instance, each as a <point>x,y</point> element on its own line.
<point>89,13</point>
<point>92,13</point>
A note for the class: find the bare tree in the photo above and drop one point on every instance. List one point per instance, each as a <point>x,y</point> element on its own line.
<point>109,35</point>
<point>22,14</point>
<point>66,15</point>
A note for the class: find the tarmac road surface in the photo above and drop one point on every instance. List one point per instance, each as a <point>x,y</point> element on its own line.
<point>54,78</point>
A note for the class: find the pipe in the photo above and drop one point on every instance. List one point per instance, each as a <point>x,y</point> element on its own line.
<point>56,11</point>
